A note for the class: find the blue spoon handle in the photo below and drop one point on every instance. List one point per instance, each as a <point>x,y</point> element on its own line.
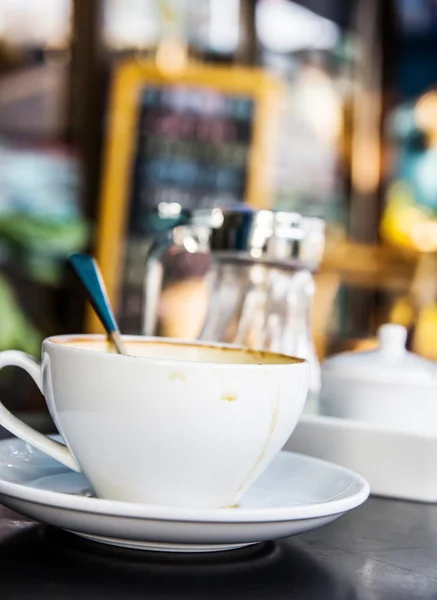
<point>89,274</point>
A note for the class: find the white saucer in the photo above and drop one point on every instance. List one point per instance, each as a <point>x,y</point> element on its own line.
<point>296,493</point>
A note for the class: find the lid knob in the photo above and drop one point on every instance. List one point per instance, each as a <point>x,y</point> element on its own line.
<point>392,338</point>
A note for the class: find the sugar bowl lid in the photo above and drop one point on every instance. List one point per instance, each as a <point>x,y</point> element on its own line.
<point>390,362</point>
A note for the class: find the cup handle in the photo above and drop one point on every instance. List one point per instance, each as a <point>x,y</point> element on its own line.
<point>15,358</point>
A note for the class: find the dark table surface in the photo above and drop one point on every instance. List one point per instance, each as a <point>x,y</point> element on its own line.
<point>383,550</point>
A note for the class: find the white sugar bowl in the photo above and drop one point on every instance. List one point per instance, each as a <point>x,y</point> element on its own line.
<point>389,386</point>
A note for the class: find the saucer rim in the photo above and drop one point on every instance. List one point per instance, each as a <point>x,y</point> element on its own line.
<point>63,500</point>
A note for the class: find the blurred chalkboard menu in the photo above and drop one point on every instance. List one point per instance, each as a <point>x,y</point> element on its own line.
<point>198,140</point>
<point>193,146</point>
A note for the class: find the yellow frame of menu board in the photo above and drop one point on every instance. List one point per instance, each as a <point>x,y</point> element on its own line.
<point>129,79</point>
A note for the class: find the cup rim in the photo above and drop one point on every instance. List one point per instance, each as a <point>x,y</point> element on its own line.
<point>56,341</point>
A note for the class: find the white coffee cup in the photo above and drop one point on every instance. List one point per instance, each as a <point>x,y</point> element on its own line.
<point>173,423</point>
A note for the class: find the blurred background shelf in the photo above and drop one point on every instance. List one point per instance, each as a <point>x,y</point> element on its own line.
<point>356,145</point>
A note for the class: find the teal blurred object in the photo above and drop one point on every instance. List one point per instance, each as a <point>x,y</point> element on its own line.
<point>416,163</point>
<point>419,170</point>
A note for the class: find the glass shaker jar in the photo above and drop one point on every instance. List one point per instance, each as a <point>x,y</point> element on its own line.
<point>255,272</point>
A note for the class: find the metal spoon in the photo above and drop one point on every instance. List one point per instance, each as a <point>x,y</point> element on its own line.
<point>87,270</point>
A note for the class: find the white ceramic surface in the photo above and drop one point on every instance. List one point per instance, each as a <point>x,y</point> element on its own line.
<point>173,423</point>
<point>294,494</point>
<point>388,386</point>
<point>396,464</point>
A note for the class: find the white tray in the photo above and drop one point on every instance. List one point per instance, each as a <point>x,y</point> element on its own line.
<point>396,464</point>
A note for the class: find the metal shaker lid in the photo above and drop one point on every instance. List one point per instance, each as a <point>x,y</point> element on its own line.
<point>277,237</point>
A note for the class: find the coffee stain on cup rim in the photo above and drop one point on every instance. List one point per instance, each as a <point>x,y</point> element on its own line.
<point>260,357</point>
